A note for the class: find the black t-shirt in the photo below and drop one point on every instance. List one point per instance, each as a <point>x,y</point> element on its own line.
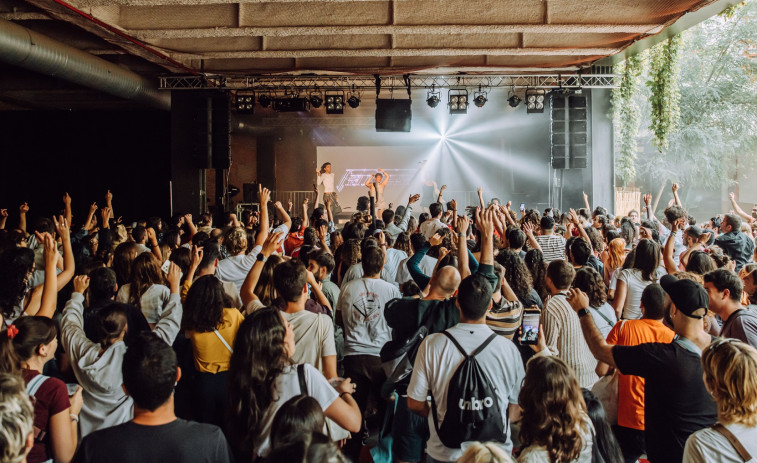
<point>676,403</point>
<point>177,441</point>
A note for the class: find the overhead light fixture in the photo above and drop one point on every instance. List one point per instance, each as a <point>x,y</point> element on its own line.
<point>433,97</point>
<point>457,101</point>
<point>264,99</point>
<point>245,101</point>
<point>535,100</point>
<point>479,98</point>
<point>316,99</point>
<point>513,100</point>
<point>291,103</point>
<point>353,101</point>
<point>334,102</point>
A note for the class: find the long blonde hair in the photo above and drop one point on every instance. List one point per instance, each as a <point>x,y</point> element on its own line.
<point>486,452</point>
<point>554,410</point>
<point>730,374</point>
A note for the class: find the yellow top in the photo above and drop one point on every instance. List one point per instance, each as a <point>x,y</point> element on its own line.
<point>210,354</point>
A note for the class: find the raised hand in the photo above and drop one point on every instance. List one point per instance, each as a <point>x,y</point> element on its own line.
<point>305,201</point>
<point>443,253</point>
<point>151,235</point>
<point>197,255</point>
<point>108,197</point>
<point>453,203</point>
<point>648,199</point>
<point>23,209</point>
<point>50,248</point>
<point>676,187</point>
<point>574,217</point>
<point>414,198</point>
<point>444,187</point>
<point>485,221</point>
<point>381,238</point>
<point>278,205</point>
<point>480,190</point>
<point>528,228</point>
<point>81,283</point>
<point>322,231</point>
<point>62,227</point>
<point>507,206</point>
<point>586,197</point>
<point>436,240</point>
<point>66,199</point>
<point>105,213</point>
<point>289,205</point>
<point>271,244</point>
<point>4,213</point>
<point>577,299</point>
<point>731,196</point>
<point>93,208</point>
<point>462,224</point>
<point>188,219</point>
<point>264,195</point>
<point>174,278</point>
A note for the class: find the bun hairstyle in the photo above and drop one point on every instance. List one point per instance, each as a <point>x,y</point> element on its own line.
<point>111,322</point>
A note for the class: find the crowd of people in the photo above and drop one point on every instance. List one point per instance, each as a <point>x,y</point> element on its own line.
<point>439,334</point>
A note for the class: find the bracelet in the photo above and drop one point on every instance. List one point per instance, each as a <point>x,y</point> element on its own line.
<point>343,393</point>
<point>73,417</point>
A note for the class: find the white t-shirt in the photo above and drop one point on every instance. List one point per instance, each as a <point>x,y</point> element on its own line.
<point>236,268</point>
<point>427,267</point>
<point>391,264</point>
<point>603,325</point>
<point>287,385</point>
<point>356,271</point>
<point>436,363</point>
<point>152,302</point>
<point>634,287</point>
<point>313,337</point>
<point>328,182</point>
<point>361,303</point>
<point>707,445</point>
<point>429,227</point>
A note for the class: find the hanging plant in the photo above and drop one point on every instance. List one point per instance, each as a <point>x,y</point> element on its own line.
<point>665,97</point>
<point>627,116</point>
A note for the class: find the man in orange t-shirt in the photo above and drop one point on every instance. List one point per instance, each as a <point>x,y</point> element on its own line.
<point>630,427</point>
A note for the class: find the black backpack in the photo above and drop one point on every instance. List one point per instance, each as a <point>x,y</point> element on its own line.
<point>473,412</point>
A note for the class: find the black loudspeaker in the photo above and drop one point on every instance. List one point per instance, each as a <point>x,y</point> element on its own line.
<point>266,153</point>
<point>200,128</point>
<point>250,192</point>
<point>393,115</point>
<point>569,131</point>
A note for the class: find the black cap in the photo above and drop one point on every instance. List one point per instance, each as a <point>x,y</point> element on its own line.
<point>689,296</point>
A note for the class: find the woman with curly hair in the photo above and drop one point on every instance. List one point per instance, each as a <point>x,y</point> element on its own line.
<point>262,378</point>
<point>211,325</point>
<point>555,427</point>
<point>589,281</point>
<point>538,269</point>
<point>519,278</point>
<point>349,255</point>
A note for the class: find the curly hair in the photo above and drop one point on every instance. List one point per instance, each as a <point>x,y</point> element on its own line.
<point>554,410</point>
<point>538,269</point>
<point>260,356</point>
<point>203,307</point>
<point>616,253</point>
<point>516,273</point>
<point>235,241</point>
<point>592,283</point>
<point>402,243</point>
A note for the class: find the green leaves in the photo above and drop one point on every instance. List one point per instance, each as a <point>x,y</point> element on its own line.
<point>665,98</point>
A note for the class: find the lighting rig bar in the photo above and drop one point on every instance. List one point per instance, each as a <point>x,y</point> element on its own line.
<point>303,83</point>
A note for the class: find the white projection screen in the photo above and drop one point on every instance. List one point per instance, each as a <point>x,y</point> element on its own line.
<point>353,165</point>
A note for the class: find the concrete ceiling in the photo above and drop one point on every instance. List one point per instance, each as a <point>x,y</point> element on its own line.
<point>249,37</point>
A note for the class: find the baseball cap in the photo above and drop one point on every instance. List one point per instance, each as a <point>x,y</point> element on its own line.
<point>688,296</point>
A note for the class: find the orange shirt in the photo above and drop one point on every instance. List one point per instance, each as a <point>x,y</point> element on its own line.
<point>631,388</point>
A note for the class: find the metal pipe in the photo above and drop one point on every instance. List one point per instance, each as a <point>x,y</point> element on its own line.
<point>25,48</point>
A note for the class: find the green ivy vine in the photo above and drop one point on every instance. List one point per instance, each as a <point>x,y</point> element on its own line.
<point>627,116</point>
<point>663,83</point>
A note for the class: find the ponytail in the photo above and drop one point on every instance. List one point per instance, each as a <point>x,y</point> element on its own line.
<point>20,341</point>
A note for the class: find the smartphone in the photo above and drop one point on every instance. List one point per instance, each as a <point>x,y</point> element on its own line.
<point>530,327</point>
<point>522,206</point>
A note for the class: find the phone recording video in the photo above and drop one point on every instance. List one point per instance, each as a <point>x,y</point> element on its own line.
<point>522,206</point>
<point>530,328</point>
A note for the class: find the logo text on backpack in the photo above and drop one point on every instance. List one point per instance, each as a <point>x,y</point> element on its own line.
<point>475,404</point>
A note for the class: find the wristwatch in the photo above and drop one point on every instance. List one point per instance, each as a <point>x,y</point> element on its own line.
<point>262,258</point>
<point>583,312</point>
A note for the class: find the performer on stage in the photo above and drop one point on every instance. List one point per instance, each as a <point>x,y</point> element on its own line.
<point>326,177</point>
<point>376,184</point>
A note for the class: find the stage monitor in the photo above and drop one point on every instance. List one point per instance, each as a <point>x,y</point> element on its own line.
<point>393,115</point>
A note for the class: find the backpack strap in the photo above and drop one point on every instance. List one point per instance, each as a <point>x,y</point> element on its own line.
<point>35,384</point>
<point>478,349</point>
<point>738,446</point>
<point>483,345</point>
<point>602,315</point>
<point>223,341</point>
<point>301,378</point>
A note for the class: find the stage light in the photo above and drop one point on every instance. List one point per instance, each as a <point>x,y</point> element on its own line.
<point>432,97</point>
<point>535,101</point>
<point>514,101</point>
<point>245,101</point>
<point>353,101</point>
<point>457,101</point>
<point>334,102</point>
<point>264,100</point>
<point>316,100</point>
<point>479,98</point>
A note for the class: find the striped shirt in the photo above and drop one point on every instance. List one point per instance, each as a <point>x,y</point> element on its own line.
<point>504,318</point>
<point>552,246</point>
